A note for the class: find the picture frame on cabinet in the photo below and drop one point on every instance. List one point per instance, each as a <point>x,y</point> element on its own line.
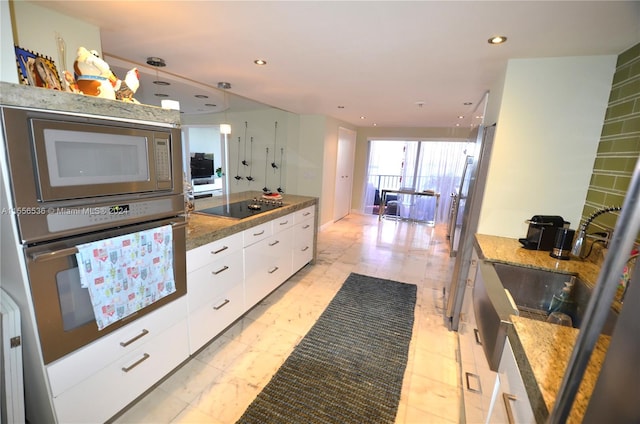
<point>37,70</point>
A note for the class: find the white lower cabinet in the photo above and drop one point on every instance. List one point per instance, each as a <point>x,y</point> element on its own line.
<point>512,402</point>
<point>86,390</point>
<point>478,380</point>
<point>267,265</point>
<point>303,237</point>
<point>229,276</point>
<point>215,289</point>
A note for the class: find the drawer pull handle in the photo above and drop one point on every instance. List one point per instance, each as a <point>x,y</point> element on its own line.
<point>306,226</point>
<point>476,333</point>
<point>271,271</point>
<point>306,214</point>
<point>259,234</point>
<point>507,397</point>
<point>274,243</point>
<point>284,222</point>
<point>138,362</point>
<point>222,249</point>
<point>221,305</point>
<point>143,333</point>
<point>471,389</point>
<point>224,268</point>
<point>304,249</point>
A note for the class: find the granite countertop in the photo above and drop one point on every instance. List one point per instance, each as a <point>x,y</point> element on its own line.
<point>203,229</point>
<point>543,350</point>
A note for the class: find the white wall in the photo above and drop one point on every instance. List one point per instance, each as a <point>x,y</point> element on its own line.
<point>37,28</point>
<point>549,123</point>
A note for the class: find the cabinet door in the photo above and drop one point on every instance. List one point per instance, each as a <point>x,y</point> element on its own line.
<point>512,403</point>
<point>268,264</point>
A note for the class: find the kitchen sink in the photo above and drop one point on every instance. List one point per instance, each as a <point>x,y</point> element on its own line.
<point>531,291</point>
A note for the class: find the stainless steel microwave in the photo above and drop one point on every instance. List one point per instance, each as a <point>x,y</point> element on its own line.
<point>59,161</point>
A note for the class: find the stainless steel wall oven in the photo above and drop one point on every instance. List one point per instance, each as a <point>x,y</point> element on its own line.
<point>77,180</point>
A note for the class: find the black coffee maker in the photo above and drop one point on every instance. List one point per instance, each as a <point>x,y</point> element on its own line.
<point>542,232</point>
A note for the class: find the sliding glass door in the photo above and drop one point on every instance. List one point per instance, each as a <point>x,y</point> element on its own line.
<point>415,166</point>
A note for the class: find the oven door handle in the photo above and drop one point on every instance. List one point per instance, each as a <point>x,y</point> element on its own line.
<point>55,254</point>
<point>62,253</point>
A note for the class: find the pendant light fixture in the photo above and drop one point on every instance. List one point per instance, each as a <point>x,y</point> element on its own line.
<point>225,128</point>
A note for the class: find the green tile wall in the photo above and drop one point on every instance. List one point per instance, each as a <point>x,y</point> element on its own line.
<point>619,147</point>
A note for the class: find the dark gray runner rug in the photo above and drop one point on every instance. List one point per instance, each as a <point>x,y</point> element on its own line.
<point>350,365</point>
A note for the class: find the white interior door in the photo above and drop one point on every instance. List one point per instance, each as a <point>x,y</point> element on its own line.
<point>344,173</point>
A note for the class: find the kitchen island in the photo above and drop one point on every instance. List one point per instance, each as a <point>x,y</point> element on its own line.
<point>542,350</point>
<point>203,229</point>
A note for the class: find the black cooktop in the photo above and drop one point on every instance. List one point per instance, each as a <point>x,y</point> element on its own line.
<point>243,209</point>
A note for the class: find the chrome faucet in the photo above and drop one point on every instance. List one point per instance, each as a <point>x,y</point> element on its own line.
<point>579,244</point>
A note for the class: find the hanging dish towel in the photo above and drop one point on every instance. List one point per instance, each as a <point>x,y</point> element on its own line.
<point>126,273</point>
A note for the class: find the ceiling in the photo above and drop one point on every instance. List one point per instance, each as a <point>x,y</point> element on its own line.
<point>384,63</point>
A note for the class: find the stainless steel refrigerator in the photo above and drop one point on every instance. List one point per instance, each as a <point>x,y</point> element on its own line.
<point>458,202</point>
<point>472,191</point>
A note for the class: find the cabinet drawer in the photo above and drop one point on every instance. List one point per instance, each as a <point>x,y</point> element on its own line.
<point>303,214</point>
<point>255,234</point>
<point>214,279</point>
<point>203,255</point>
<point>282,223</point>
<point>72,369</point>
<point>214,316</point>
<point>267,265</point>
<point>303,243</point>
<point>103,394</point>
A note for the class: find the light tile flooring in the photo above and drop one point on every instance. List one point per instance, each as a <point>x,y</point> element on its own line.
<point>218,384</point>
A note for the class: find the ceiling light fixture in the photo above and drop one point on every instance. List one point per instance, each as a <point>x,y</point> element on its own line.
<point>201,96</point>
<point>161,95</point>
<point>498,39</point>
<point>225,127</point>
<point>260,62</point>
<point>158,62</point>
<point>158,82</point>
<point>467,103</point>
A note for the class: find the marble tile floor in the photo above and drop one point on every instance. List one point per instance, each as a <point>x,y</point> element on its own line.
<point>218,383</point>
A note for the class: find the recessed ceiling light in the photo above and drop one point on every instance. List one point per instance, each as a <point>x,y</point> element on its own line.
<point>467,103</point>
<point>158,62</point>
<point>224,85</point>
<point>201,96</point>
<point>363,117</point>
<point>340,107</point>
<point>210,104</point>
<point>460,116</point>
<point>158,82</point>
<point>260,62</point>
<point>498,39</point>
<point>161,95</point>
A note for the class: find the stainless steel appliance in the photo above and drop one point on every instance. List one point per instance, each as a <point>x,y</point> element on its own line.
<point>75,180</point>
<point>470,216</point>
<point>458,202</point>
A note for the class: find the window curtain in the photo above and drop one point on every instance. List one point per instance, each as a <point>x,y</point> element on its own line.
<point>415,166</point>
